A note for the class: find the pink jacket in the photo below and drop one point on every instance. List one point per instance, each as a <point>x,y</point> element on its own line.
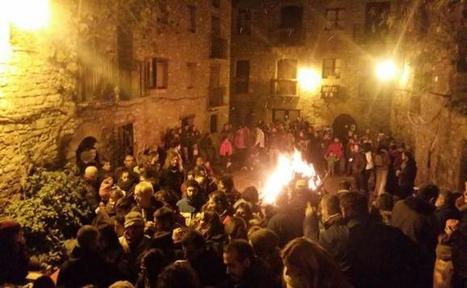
<point>226,148</point>
<point>336,149</point>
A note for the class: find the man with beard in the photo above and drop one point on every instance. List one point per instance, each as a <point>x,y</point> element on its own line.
<point>191,202</point>
<point>14,261</point>
<point>134,243</point>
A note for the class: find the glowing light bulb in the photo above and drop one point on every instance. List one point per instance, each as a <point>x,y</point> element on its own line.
<point>386,70</point>
<point>28,14</point>
<point>309,79</point>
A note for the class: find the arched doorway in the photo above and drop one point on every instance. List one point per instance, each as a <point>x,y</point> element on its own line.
<point>342,125</point>
<point>86,153</point>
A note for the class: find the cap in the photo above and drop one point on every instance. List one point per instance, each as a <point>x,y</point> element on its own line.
<point>134,219</point>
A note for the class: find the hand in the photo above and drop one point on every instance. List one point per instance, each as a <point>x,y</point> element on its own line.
<point>451,226</point>
<point>310,210</point>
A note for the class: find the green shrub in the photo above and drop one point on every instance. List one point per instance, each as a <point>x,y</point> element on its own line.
<point>51,211</point>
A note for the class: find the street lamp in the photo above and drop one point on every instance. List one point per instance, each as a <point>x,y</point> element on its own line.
<point>386,70</point>
<point>308,79</point>
<point>26,15</point>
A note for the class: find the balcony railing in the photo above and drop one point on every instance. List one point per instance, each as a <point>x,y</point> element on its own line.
<point>284,87</point>
<point>289,36</point>
<point>218,47</point>
<point>216,96</point>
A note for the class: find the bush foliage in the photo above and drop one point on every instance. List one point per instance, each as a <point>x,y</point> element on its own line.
<point>51,211</point>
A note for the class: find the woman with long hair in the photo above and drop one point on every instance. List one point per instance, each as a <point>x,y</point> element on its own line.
<point>307,265</point>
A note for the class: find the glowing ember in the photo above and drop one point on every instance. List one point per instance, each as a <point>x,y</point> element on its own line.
<point>288,166</point>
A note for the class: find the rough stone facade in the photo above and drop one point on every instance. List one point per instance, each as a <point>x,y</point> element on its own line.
<point>47,108</point>
<point>359,95</point>
<point>423,108</point>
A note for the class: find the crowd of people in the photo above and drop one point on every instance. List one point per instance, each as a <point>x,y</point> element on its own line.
<point>174,218</point>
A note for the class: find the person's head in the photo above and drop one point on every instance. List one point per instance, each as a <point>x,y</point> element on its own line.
<point>384,202</point>
<point>192,189</point>
<point>217,202</point>
<point>129,162</point>
<point>336,140</point>
<point>11,235</point>
<point>407,156</point>
<point>210,224</point>
<point>120,284</point>
<point>106,165</point>
<point>43,282</point>
<point>243,211</point>
<point>144,194</point>
<point>164,219</point>
<point>447,198</point>
<point>88,238</point>
<point>125,176</point>
<point>251,194</point>
<point>345,185</point>
<point>105,188</point>
<point>329,206</point>
<point>90,173</point>
<point>264,241</point>
<point>353,205</point>
<point>226,183</point>
<point>178,275</point>
<point>152,264</point>
<point>193,245</point>
<point>238,258</point>
<point>307,265</point>
<point>134,228</point>
<point>199,161</point>
<point>429,193</point>
<point>108,238</point>
<point>236,228</point>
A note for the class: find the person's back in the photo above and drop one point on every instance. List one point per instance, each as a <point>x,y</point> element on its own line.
<point>85,266</point>
<point>380,255</point>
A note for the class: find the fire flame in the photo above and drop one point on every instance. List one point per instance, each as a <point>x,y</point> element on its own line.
<point>288,166</point>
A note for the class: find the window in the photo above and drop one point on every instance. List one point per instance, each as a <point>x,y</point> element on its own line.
<point>286,82</point>
<point>376,19</point>
<point>192,18</point>
<point>214,76</point>
<point>154,74</point>
<point>285,115</point>
<point>216,3</point>
<point>332,68</point>
<point>213,123</point>
<point>244,21</point>
<point>242,76</point>
<point>215,26</point>
<point>290,30</point>
<point>161,73</point>
<point>125,141</point>
<point>191,75</point>
<point>287,69</point>
<point>163,16</point>
<point>335,19</point>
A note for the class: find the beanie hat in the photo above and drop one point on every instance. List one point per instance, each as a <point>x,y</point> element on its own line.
<point>134,219</point>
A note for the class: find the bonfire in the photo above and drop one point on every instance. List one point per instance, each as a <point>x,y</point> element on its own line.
<point>289,167</point>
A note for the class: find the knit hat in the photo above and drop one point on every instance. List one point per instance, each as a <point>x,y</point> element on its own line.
<point>134,219</point>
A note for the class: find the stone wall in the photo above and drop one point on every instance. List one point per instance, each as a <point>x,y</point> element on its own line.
<point>42,123</point>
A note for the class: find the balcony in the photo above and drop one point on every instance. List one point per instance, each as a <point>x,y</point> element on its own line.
<point>216,96</point>
<point>218,48</point>
<point>289,37</point>
<point>284,87</point>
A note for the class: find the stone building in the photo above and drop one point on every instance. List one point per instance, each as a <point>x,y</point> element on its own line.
<point>275,45</point>
<point>115,72</point>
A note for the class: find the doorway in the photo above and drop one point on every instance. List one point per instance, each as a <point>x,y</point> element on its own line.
<point>342,125</point>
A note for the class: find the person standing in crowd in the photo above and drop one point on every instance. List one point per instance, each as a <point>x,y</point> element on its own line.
<point>244,268</point>
<point>415,217</point>
<point>369,168</point>
<point>307,265</point>
<point>406,175</point>
<point>241,146</point>
<point>381,161</point>
<point>334,154</point>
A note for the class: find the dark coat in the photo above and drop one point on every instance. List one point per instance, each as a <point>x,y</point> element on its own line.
<point>85,267</point>
<point>209,267</point>
<point>287,224</point>
<point>380,256</point>
<point>416,219</point>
